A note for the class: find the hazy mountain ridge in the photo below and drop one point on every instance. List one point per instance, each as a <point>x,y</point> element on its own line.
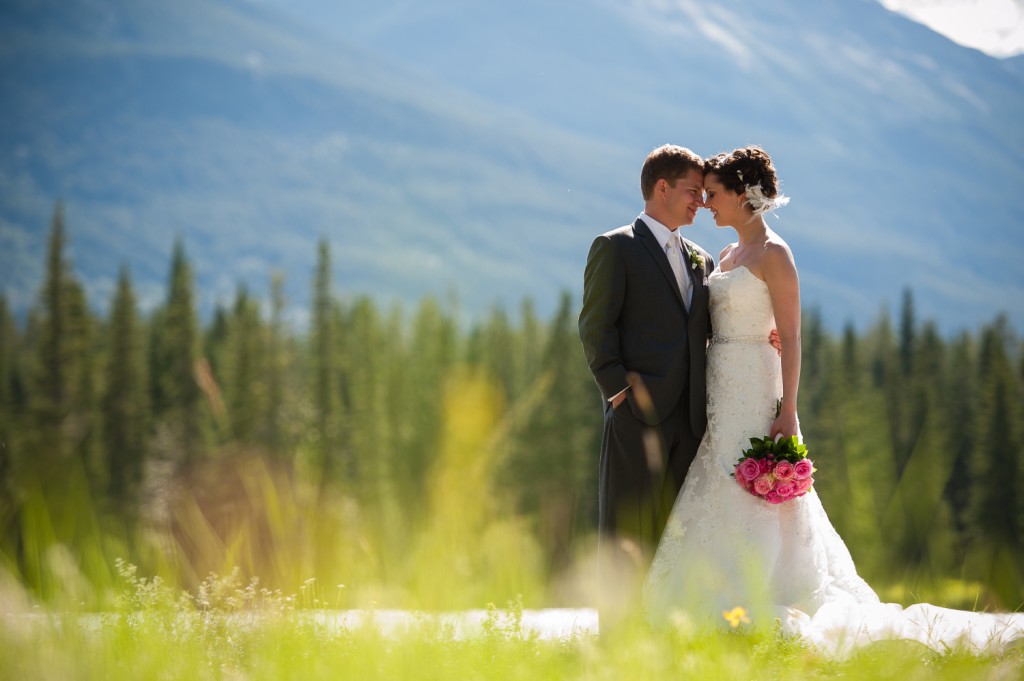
<point>187,141</point>
<point>441,148</point>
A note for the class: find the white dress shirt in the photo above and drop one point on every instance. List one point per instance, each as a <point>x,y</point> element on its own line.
<point>672,244</point>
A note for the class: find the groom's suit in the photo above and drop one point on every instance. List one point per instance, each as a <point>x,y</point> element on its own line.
<point>634,324</point>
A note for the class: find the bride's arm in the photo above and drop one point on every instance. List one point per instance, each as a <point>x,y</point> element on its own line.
<point>784,288</point>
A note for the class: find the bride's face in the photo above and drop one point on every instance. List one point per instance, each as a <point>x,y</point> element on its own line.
<point>726,206</point>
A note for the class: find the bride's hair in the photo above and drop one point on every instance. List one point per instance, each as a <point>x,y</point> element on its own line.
<point>742,168</point>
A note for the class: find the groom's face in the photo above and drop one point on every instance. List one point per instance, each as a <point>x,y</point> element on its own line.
<point>683,200</point>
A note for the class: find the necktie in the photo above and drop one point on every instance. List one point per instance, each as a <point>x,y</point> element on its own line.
<point>674,251</point>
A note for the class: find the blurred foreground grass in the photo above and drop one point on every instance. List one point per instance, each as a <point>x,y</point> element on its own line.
<point>229,629</point>
<point>246,569</point>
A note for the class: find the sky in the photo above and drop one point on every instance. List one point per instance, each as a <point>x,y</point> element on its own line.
<point>995,27</point>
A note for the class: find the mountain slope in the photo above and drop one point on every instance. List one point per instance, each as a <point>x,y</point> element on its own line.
<point>478,147</point>
<point>252,159</point>
<point>902,149</point>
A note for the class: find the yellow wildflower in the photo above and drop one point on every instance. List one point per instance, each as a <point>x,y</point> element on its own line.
<point>736,616</point>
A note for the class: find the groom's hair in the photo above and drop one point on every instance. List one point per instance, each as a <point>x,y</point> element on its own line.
<point>668,162</point>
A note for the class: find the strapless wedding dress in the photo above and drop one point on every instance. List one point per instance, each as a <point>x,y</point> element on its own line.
<point>724,548</point>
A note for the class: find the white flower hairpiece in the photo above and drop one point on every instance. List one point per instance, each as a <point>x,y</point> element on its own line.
<point>761,203</point>
<point>758,201</point>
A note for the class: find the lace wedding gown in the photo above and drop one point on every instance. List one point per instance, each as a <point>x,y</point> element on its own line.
<point>724,548</point>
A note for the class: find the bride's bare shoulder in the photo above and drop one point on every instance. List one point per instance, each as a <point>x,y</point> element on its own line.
<point>775,247</point>
<point>777,258</point>
<point>725,252</point>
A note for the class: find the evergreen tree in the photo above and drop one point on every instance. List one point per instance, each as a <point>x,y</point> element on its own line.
<point>928,538</point>
<point>995,498</point>
<point>8,421</point>
<point>433,350</point>
<point>63,388</point>
<point>555,461</point>
<point>52,388</point>
<point>83,424</point>
<point>907,332</point>
<point>961,411</point>
<point>244,389</point>
<point>493,347</point>
<point>215,341</point>
<point>366,424</point>
<point>324,366</point>
<point>276,367</point>
<point>996,458</point>
<point>175,370</point>
<point>124,400</point>
<point>530,348</point>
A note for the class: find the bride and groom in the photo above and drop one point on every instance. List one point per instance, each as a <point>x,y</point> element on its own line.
<point>686,358</point>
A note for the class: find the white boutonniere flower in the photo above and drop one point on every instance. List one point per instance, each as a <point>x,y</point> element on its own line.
<point>696,260</point>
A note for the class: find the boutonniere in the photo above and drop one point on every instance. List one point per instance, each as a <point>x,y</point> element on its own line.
<point>696,260</point>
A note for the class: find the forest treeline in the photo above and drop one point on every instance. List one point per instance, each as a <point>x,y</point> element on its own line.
<point>407,457</point>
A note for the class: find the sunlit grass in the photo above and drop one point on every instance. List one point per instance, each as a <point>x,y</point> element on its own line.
<point>230,629</point>
<point>255,571</point>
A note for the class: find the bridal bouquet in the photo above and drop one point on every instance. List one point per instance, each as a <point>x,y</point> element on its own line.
<point>776,471</point>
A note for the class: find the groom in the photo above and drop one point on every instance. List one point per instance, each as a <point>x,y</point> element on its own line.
<point>644,326</point>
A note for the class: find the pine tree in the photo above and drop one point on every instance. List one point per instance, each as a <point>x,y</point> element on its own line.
<point>52,387</point>
<point>929,538</point>
<point>63,388</point>
<point>124,400</point>
<point>371,463</point>
<point>245,391</point>
<point>8,421</point>
<point>83,423</point>
<point>366,417</point>
<point>494,349</point>
<point>997,470</point>
<point>215,341</point>
<point>905,414</point>
<point>324,367</point>
<point>276,367</point>
<point>907,332</point>
<point>175,368</point>
<point>433,350</point>
<point>961,414</point>
<point>554,465</point>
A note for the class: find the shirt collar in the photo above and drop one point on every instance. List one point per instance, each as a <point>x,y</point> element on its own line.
<point>662,233</point>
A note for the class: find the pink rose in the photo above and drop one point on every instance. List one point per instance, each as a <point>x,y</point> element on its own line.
<point>762,486</point>
<point>785,489</point>
<point>749,469</point>
<point>803,469</point>
<point>803,485</point>
<point>784,470</point>
<point>766,465</point>
<point>773,498</point>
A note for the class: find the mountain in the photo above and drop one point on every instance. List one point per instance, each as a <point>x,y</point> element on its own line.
<point>477,148</point>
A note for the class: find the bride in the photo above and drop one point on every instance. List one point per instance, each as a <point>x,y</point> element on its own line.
<point>724,547</point>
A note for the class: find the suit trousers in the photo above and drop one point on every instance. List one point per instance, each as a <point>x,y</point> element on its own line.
<point>642,470</point>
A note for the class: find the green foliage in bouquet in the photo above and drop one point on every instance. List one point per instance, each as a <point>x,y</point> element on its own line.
<point>788,448</point>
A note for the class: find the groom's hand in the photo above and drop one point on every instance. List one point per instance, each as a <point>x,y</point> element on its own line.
<point>619,399</point>
<point>775,341</point>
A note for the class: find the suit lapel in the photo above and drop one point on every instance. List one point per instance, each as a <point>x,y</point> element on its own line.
<point>657,252</point>
<point>698,277</point>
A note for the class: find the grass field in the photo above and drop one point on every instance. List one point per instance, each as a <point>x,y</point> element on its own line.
<point>230,630</point>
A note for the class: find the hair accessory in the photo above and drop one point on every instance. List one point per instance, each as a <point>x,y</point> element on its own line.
<point>761,203</point>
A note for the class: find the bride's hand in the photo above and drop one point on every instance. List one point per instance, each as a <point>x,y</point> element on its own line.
<point>786,425</point>
<point>775,341</point>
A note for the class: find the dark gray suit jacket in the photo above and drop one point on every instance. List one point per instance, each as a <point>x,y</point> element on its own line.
<point>633,320</point>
